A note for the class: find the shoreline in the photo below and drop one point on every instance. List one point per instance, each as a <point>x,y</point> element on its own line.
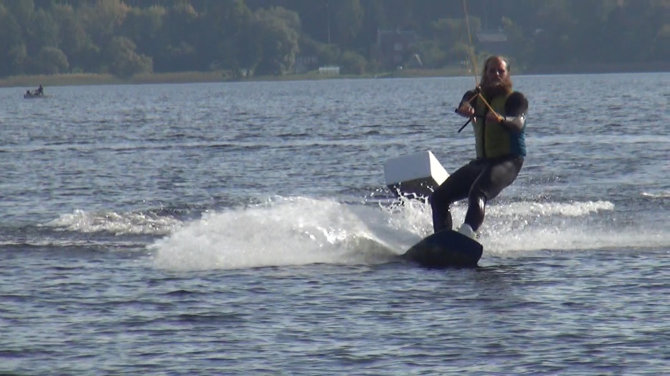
<point>74,79</point>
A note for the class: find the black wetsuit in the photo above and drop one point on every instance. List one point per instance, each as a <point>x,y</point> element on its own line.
<point>496,166</point>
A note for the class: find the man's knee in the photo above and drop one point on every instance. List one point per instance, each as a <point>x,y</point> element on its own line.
<point>477,200</point>
<point>439,200</point>
<point>476,209</point>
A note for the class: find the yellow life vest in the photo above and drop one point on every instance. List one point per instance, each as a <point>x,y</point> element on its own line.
<point>492,140</point>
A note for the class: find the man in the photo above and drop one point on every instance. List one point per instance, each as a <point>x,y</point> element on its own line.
<point>499,120</point>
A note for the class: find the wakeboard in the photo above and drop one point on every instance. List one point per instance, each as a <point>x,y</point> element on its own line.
<point>445,249</point>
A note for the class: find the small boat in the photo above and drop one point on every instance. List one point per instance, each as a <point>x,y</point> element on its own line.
<point>33,94</point>
<point>37,93</point>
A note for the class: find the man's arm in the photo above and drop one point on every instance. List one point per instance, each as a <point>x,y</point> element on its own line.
<point>515,112</point>
<point>466,107</point>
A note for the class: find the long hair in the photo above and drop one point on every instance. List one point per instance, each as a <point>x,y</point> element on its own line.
<point>490,59</point>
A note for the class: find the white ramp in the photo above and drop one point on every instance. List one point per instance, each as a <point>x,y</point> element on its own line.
<point>416,174</point>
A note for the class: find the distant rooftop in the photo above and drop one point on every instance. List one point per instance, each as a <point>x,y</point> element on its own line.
<point>492,36</point>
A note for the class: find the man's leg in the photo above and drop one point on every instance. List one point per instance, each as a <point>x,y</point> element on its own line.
<point>455,188</point>
<point>493,179</point>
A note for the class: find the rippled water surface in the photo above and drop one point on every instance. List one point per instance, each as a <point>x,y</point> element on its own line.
<point>244,228</point>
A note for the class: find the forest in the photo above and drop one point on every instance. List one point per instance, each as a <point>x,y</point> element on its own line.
<point>246,38</point>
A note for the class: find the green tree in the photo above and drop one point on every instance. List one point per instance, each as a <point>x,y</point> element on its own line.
<point>12,50</point>
<point>22,10</point>
<point>352,63</point>
<point>144,26</point>
<point>265,35</point>
<point>73,39</point>
<point>102,18</point>
<point>178,39</point>
<point>453,39</point>
<point>550,43</point>
<point>18,60</point>
<point>661,46</point>
<point>51,60</point>
<point>125,61</point>
<point>632,30</point>
<point>223,28</point>
<point>327,54</point>
<point>277,35</point>
<point>347,20</point>
<point>43,30</point>
<point>517,39</point>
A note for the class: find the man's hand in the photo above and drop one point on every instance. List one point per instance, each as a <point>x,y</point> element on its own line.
<point>466,110</point>
<point>494,117</point>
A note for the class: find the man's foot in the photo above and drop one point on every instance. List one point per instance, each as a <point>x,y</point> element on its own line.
<point>466,230</point>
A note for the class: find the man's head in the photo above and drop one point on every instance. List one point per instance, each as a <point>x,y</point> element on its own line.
<point>496,78</point>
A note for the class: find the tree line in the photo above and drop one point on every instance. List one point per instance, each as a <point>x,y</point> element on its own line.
<point>273,37</point>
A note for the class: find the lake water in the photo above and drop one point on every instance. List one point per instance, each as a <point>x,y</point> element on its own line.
<point>244,228</point>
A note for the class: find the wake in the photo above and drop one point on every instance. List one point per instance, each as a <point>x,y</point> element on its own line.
<point>299,231</point>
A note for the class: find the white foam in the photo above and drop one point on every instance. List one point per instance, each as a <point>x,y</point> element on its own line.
<point>300,231</point>
<point>283,231</point>
<point>659,194</point>
<point>545,209</point>
<point>587,225</point>
<point>116,223</point>
<point>571,238</point>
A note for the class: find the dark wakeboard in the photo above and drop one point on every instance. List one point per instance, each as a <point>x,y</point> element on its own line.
<point>445,249</point>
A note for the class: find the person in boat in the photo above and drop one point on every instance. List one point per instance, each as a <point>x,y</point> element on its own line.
<point>40,90</point>
<point>498,114</point>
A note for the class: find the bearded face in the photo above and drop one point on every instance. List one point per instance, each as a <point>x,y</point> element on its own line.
<point>496,79</point>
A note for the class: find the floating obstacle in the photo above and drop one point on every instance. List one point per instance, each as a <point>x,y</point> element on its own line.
<point>415,175</point>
